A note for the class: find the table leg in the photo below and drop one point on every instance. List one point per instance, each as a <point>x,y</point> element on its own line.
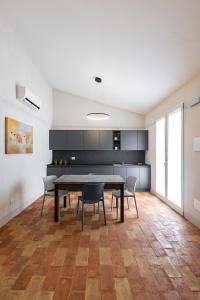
<point>65,202</point>
<point>56,206</point>
<point>122,203</point>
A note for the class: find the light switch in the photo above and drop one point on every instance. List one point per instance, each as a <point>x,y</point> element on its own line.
<point>196,144</point>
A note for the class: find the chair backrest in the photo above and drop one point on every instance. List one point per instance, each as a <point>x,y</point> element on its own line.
<point>92,192</point>
<point>48,182</point>
<point>130,184</point>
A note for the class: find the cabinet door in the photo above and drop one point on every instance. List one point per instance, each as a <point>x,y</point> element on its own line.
<point>75,140</point>
<point>58,140</point>
<point>103,170</point>
<point>145,179</point>
<point>134,171</point>
<point>105,140</point>
<point>142,139</point>
<point>129,140</point>
<point>58,171</point>
<point>120,171</point>
<point>91,139</point>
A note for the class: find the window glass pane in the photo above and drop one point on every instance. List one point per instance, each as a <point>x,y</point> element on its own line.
<point>174,158</point>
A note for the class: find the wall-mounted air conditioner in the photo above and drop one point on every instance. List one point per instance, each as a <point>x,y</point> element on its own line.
<point>192,102</point>
<point>24,95</point>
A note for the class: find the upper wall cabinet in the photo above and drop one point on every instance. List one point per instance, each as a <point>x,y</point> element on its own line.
<point>105,140</point>
<point>58,140</point>
<point>142,139</point>
<point>96,140</point>
<point>91,139</point>
<point>134,140</point>
<point>75,139</point>
<point>65,140</point>
<point>129,140</point>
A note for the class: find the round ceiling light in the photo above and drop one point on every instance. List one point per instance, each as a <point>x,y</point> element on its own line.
<point>98,116</point>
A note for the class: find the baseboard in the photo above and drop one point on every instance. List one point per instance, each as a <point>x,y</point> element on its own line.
<point>5,219</point>
<point>195,221</point>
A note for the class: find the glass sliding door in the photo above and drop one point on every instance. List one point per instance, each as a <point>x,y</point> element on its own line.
<point>169,159</point>
<point>174,158</point>
<point>160,157</point>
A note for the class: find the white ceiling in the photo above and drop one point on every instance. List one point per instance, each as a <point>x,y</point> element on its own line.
<point>143,49</point>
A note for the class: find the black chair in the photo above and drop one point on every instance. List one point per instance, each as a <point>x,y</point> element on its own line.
<point>91,194</point>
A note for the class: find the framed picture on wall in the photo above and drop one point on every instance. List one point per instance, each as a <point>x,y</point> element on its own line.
<point>18,137</point>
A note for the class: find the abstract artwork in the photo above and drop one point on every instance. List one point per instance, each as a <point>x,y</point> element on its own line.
<point>18,137</point>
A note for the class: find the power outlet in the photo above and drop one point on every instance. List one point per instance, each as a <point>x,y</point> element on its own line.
<point>197,204</point>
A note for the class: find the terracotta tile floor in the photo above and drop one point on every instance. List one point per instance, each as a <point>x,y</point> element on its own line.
<point>154,257</point>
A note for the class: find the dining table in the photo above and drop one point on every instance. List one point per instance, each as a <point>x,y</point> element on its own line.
<point>74,183</point>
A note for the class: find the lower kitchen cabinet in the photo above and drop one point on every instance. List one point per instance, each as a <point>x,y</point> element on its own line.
<point>145,179</point>
<point>120,170</point>
<point>143,173</point>
<point>58,171</point>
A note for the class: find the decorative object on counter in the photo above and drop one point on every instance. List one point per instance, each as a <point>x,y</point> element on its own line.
<point>18,137</point>
<point>60,162</point>
<point>55,162</point>
<point>65,162</point>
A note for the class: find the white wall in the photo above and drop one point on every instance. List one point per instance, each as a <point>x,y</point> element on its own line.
<point>191,130</point>
<point>21,174</point>
<point>70,112</point>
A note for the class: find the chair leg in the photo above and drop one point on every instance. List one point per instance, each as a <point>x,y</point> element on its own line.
<point>65,201</point>
<point>69,199</point>
<point>82,215</point>
<point>136,206</point>
<point>98,208</point>
<point>104,212</point>
<point>112,203</point>
<point>77,209</point>
<point>94,206</point>
<point>127,202</point>
<point>42,205</point>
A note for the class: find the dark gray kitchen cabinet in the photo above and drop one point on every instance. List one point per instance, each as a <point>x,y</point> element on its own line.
<point>142,140</point>
<point>66,140</point>
<point>129,140</point>
<point>74,139</point>
<point>102,170</point>
<point>120,171</point>
<point>58,171</point>
<point>133,171</point>
<point>91,139</point>
<point>142,173</point>
<point>58,140</point>
<point>145,179</point>
<point>105,140</point>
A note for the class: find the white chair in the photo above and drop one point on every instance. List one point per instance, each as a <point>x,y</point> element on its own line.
<point>49,189</point>
<point>129,191</point>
